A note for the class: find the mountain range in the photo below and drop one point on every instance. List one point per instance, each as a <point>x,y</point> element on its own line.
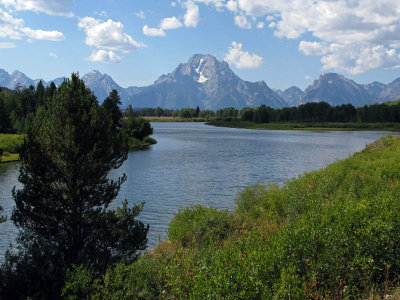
<point>210,84</point>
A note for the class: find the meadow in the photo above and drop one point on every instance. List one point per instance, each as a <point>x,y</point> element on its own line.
<point>10,144</point>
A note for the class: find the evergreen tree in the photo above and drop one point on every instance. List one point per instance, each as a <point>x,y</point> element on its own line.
<point>5,124</point>
<point>111,105</point>
<point>129,111</point>
<point>62,208</point>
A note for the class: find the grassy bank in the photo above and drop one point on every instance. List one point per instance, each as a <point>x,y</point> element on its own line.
<point>332,234</point>
<point>136,144</point>
<point>395,127</point>
<point>174,119</point>
<point>10,144</point>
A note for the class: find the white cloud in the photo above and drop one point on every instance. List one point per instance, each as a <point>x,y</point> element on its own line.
<point>14,28</point>
<point>166,24</point>
<point>104,56</point>
<point>6,45</point>
<point>232,5</point>
<point>38,34</point>
<point>192,16</point>
<point>9,26</point>
<point>173,4</point>
<point>102,13</point>
<point>260,25</point>
<point>357,59</point>
<point>242,22</point>
<point>170,23</point>
<point>153,31</point>
<point>307,77</point>
<point>53,55</point>
<point>242,59</point>
<point>108,35</point>
<point>52,7</point>
<point>369,30</point>
<point>313,48</point>
<point>140,15</point>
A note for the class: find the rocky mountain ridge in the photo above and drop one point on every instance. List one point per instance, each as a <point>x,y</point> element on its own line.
<point>210,84</point>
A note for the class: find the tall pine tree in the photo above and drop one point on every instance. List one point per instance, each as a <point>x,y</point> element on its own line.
<point>62,208</point>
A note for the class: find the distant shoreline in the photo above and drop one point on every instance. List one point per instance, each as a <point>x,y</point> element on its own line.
<point>328,126</point>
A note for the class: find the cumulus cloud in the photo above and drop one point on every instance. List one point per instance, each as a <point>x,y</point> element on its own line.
<point>242,59</point>
<point>313,48</point>
<point>52,7</point>
<point>108,57</point>
<point>242,22</point>
<point>7,45</point>
<point>53,35</point>
<point>232,5</point>
<point>170,23</point>
<point>192,16</point>
<point>14,28</point>
<point>166,24</point>
<point>153,31</point>
<point>260,25</point>
<point>369,30</point>
<point>140,15</point>
<point>53,55</point>
<point>357,59</point>
<point>108,35</point>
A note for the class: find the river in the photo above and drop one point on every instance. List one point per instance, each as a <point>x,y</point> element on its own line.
<point>195,163</point>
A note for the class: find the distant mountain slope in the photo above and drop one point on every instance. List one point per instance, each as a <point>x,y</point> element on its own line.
<point>374,88</point>
<point>208,83</point>
<point>336,90</point>
<point>291,95</point>
<point>391,91</point>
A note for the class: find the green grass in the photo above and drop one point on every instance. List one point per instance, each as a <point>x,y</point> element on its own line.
<point>395,127</point>
<point>391,103</point>
<point>174,119</point>
<point>11,144</point>
<point>332,234</point>
<point>136,144</point>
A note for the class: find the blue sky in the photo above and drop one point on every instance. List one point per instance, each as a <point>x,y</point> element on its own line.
<point>282,42</point>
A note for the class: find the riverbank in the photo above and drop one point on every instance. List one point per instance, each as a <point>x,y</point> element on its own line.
<point>394,127</point>
<point>136,144</point>
<point>12,143</point>
<point>332,234</point>
<point>174,119</point>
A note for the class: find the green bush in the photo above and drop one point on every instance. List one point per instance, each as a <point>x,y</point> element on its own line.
<point>11,143</point>
<point>199,225</point>
<point>149,140</point>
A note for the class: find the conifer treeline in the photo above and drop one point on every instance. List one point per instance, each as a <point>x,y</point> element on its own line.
<point>309,112</point>
<point>18,108</point>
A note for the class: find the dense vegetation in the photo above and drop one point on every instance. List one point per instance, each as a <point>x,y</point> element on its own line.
<point>309,112</point>
<point>332,233</point>
<point>62,208</point>
<point>18,110</point>
<point>323,112</point>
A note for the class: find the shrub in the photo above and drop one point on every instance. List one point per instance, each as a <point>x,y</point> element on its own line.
<point>199,225</point>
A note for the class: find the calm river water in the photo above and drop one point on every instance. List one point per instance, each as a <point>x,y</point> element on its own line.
<point>195,163</point>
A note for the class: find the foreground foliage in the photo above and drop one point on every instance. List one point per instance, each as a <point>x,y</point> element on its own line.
<point>61,209</point>
<point>332,233</point>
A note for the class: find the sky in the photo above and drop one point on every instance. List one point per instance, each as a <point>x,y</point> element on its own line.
<point>283,42</point>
